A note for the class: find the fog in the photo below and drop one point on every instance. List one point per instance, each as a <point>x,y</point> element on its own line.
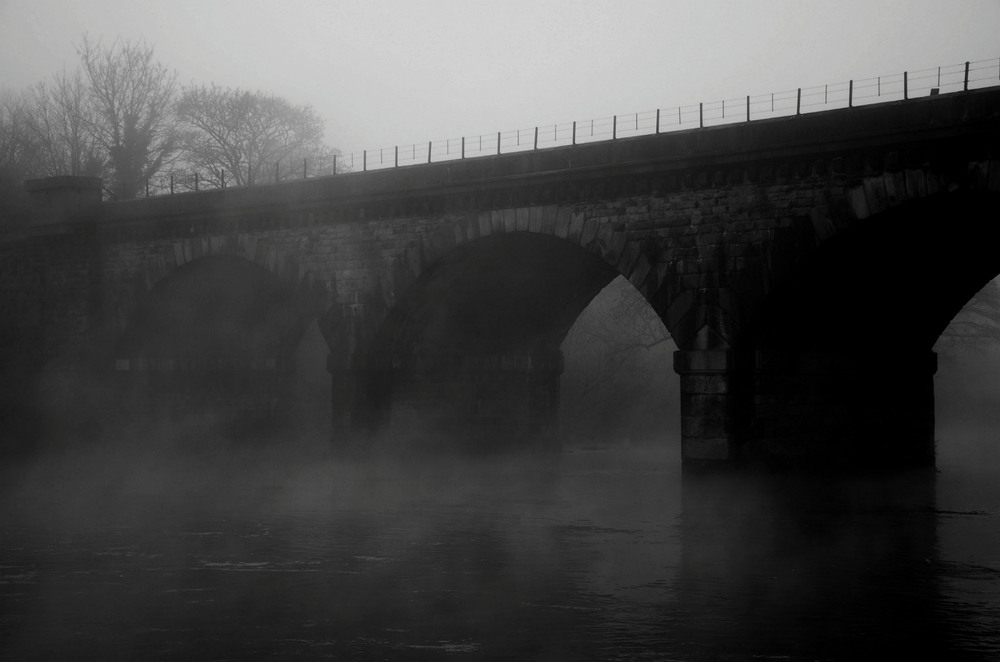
<point>144,538</point>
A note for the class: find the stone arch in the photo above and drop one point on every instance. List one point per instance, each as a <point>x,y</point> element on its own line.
<point>215,342</point>
<point>201,293</point>
<point>638,260</point>
<point>838,362</point>
<point>911,266</point>
<point>474,316</point>
<point>169,257</point>
<point>865,203</point>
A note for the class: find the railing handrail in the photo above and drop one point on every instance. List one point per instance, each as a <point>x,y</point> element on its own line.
<point>855,92</point>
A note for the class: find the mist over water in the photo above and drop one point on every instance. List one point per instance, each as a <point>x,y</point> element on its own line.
<point>144,548</point>
<point>172,541</point>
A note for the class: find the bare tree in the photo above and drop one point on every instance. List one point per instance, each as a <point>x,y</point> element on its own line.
<point>618,380</point>
<point>18,158</point>
<point>247,138</point>
<point>131,97</point>
<point>59,120</point>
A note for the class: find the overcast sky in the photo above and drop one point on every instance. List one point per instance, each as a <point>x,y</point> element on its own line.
<point>387,72</point>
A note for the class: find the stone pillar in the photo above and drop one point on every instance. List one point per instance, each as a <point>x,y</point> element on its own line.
<point>710,406</point>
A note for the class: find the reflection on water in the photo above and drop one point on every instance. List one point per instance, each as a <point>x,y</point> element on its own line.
<point>595,555</point>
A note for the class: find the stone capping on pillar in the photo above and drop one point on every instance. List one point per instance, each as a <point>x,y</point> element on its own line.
<point>64,199</point>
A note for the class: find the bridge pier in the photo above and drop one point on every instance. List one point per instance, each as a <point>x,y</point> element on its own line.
<point>710,405</point>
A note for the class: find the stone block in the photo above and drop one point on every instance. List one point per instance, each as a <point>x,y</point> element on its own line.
<point>895,187</point>
<point>485,224</point>
<point>510,219</point>
<point>858,202</point>
<point>179,258</point>
<point>535,216</point>
<point>696,449</point>
<point>496,221</point>
<point>614,246</point>
<point>548,219</point>
<point>562,222</point>
<point>589,232</point>
<point>640,273</point>
<point>523,216</point>
<point>875,192</point>
<point>575,230</point>
<point>629,256</point>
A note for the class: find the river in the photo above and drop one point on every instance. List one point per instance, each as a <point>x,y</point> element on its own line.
<point>138,551</point>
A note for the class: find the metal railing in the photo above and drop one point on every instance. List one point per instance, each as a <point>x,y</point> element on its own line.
<point>860,92</point>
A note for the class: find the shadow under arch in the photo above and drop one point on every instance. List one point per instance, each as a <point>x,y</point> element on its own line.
<point>214,341</point>
<point>469,354</point>
<point>838,359</point>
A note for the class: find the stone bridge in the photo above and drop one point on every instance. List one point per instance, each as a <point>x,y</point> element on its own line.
<point>804,266</point>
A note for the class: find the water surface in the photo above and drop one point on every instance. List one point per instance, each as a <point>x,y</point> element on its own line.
<point>612,554</point>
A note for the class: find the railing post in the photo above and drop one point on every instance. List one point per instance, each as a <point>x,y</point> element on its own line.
<point>430,143</point>
<point>798,102</point>
<point>850,94</point>
<point>463,147</point>
<point>701,115</point>
<point>364,161</point>
<point>396,164</point>
<point>965,85</point>
<point>614,127</point>
<point>906,86</point>
<point>498,143</point>
<point>574,132</point>
<point>335,164</point>
<point>748,108</point>
<point>536,138</point>
<point>657,120</point>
